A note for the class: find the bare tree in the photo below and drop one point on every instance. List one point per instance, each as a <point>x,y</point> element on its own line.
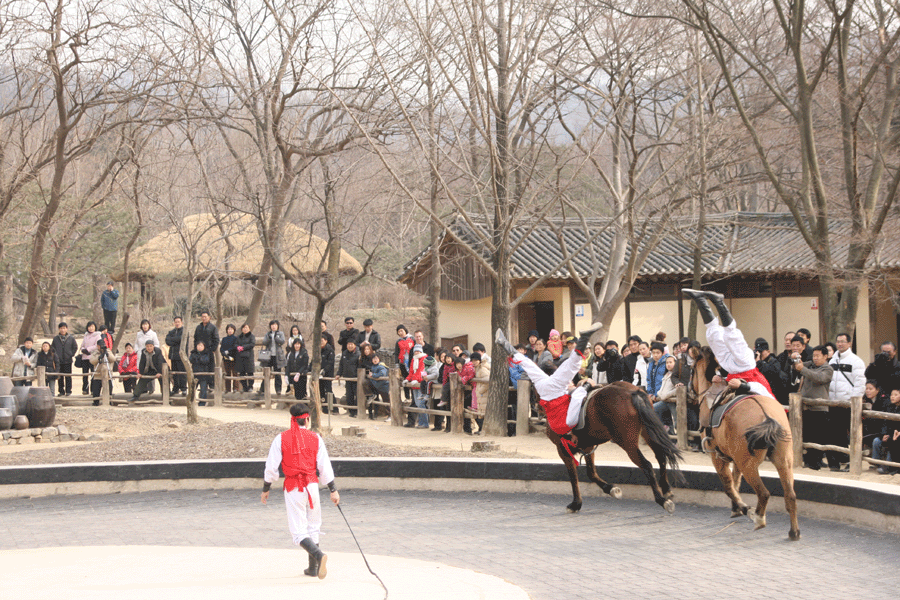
<point>87,90</point>
<point>827,74</point>
<point>339,204</point>
<point>492,156</point>
<point>260,85</point>
<point>633,137</point>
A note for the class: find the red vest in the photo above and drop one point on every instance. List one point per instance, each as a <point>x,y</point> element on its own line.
<point>299,468</point>
<point>752,375</point>
<point>557,410</point>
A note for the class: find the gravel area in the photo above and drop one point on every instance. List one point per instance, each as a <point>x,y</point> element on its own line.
<point>139,435</point>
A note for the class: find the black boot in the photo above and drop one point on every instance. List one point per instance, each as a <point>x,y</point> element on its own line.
<point>703,307</point>
<point>724,314</point>
<point>584,338</point>
<point>319,556</point>
<point>313,569</point>
<point>501,341</point>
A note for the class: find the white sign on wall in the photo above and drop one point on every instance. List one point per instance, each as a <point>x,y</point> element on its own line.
<point>814,305</point>
<point>579,310</point>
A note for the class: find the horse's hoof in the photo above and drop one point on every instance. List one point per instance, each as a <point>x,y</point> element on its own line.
<point>794,535</point>
<point>616,493</point>
<point>760,520</point>
<point>669,506</point>
<point>574,507</point>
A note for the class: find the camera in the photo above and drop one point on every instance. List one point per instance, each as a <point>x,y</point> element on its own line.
<point>882,358</point>
<point>797,361</point>
<point>611,354</point>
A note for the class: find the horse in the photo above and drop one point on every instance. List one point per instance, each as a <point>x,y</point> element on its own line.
<point>623,413</point>
<point>755,428</point>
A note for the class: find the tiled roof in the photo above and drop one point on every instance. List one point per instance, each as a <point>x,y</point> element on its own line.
<point>738,242</point>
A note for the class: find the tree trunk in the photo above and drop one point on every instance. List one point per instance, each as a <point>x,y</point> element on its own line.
<point>316,366</point>
<point>96,311</point>
<point>498,394</point>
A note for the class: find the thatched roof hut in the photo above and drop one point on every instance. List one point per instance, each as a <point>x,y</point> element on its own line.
<point>164,256</point>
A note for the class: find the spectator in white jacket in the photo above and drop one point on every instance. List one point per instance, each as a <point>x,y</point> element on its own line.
<point>640,367</point>
<point>849,380</point>
<point>146,333</point>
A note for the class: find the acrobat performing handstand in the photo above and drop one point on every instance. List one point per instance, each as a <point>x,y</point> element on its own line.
<point>728,343</point>
<point>559,397</point>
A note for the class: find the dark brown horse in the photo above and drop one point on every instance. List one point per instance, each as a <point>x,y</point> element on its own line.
<point>755,428</point>
<point>622,413</point>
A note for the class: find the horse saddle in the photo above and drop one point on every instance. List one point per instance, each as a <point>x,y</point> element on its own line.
<point>725,403</point>
<point>582,414</point>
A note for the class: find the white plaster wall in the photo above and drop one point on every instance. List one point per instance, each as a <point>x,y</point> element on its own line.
<point>472,318</point>
<point>794,313</point>
<point>648,318</point>
<point>754,318</point>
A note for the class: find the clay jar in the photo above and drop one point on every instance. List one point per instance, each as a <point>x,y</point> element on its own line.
<point>6,419</point>
<point>10,403</point>
<point>21,422</point>
<point>41,409</point>
<point>21,394</point>
<point>6,385</point>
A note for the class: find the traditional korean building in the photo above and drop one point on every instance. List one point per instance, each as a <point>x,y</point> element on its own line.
<point>759,262</point>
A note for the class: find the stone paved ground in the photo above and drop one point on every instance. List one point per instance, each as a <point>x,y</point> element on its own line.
<point>619,549</point>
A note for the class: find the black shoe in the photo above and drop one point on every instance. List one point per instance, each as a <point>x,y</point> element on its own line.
<point>316,552</point>
<point>814,467</point>
<point>96,403</point>
<point>313,569</point>
<point>719,301</point>
<point>584,338</point>
<point>408,425</point>
<point>703,307</point>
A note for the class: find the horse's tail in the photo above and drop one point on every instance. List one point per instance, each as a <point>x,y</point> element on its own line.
<point>765,435</point>
<point>657,436</point>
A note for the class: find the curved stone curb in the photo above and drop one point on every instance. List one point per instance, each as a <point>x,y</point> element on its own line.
<point>874,505</point>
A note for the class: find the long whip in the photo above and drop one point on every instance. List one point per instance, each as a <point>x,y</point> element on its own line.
<point>362,553</point>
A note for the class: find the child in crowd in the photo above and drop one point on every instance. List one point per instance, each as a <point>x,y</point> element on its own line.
<point>555,345</point>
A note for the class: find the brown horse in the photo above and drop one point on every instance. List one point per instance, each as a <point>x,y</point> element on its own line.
<point>622,413</point>
<point>755,428</point>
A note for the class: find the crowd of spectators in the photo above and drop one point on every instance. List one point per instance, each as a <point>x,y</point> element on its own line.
<point>830,370</point>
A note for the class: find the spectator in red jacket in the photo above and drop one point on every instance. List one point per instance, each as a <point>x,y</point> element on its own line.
<point>128,368</point>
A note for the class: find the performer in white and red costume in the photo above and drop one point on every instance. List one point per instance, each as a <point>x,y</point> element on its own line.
<point>559,397</point>
<point>728,343</point>
<point>301,454</point>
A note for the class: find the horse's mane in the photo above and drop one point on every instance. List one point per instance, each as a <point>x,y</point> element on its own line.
<point>706,365</point>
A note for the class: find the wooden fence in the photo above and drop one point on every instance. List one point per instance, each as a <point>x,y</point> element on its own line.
<point>218,396</point>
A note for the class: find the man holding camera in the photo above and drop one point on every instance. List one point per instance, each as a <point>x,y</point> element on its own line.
<point>815,377</point>
<point>768,364</point>
<point>885,369</point>
<point>103,359</point>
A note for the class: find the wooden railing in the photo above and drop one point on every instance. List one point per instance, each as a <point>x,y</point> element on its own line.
<point>397,409</point>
